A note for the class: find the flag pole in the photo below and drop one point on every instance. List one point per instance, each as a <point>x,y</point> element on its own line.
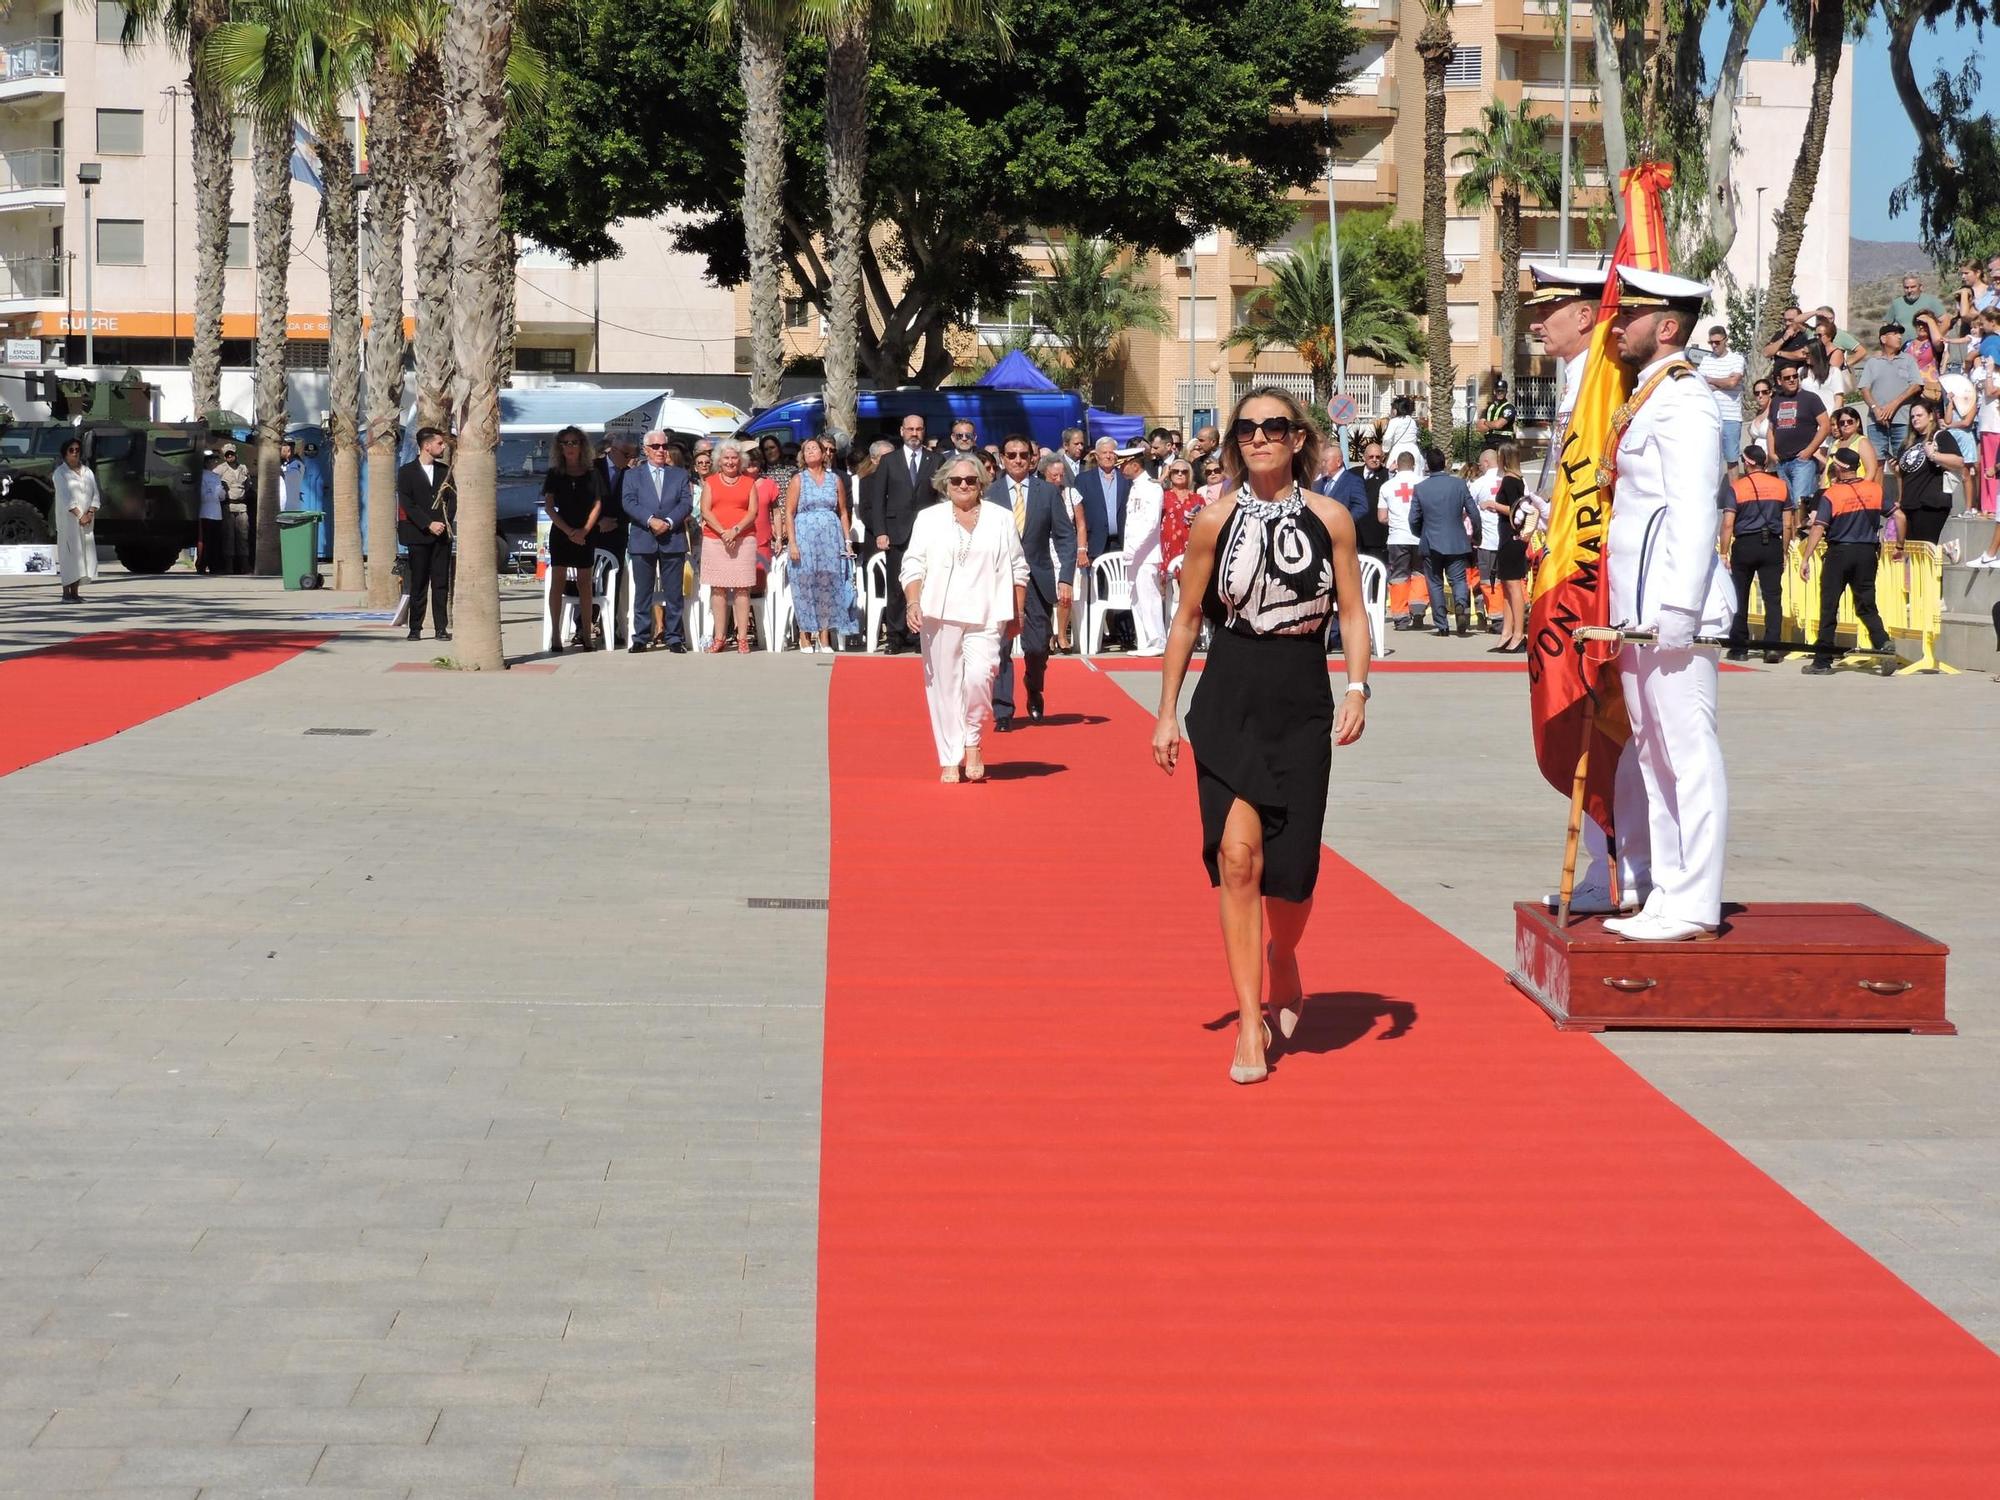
<point>1575,834</point>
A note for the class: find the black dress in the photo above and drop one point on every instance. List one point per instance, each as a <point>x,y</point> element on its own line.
<point>1512,566</point>
<point>573,495</point>
<point>1261,724</point>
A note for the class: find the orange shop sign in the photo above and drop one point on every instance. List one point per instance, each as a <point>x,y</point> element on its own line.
<point>157,325</point>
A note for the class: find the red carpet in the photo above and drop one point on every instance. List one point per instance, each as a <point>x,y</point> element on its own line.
<point>1446,1252</point>
<point>96,686</point>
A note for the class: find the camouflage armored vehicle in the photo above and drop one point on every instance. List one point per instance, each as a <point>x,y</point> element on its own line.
<point>148,472</point>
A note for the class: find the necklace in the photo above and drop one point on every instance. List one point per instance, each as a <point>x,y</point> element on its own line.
<point>1270,510</point>
<point>965,534</point>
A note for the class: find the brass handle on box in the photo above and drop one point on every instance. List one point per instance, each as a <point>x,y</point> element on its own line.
<point>1631,986</point>
<point>1887,986</point>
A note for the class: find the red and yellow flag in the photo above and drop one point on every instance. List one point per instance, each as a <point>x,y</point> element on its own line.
<point>1575,702</point>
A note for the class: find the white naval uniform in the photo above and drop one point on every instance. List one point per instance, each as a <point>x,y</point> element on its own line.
<point>1142,566</point>
<point>1664,569</point>
<point>1628,788</point>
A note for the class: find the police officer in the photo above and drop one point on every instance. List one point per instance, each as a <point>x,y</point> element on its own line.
<point>1564,305</point>
<point>1759,518</point>
<point>1667,578</point>
<point>1496,422</point>
<point>1850,516</point>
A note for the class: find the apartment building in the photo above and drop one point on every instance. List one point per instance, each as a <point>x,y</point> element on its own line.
<point>73,100</point>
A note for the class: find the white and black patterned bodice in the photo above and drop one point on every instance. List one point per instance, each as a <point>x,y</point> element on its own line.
<point>1273,569</point>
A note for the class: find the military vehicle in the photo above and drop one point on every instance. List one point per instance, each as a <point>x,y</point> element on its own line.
<point>149,473</point>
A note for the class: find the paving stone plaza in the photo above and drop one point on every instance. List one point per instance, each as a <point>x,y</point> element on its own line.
<point>433,1109</point>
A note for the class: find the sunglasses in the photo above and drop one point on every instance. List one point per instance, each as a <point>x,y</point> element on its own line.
<point>656,447</point>
<point>1019,453</point>
<point>958,479</point>
<point>1274,428</point>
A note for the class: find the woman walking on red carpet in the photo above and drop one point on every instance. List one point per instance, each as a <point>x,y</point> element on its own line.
<point>1266,564</point>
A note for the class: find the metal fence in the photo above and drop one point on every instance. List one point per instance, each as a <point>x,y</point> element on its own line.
<point>35,57</point>
<point>30,276</point>
<point>34,167</point>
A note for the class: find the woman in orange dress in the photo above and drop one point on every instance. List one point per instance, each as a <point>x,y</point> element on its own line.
<point>729,542</point>
<point>1177,511</point>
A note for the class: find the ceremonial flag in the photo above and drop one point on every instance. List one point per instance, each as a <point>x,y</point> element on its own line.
<point>1574,701</point>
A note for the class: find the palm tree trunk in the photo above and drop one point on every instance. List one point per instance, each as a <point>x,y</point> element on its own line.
<point>213,176</point>
<point>385,330</point>
<point>1828,21</point>
<point>1510,285</point>
<point>1721,145</point>
<point>271,159</point>
<point>1434,48</point>
<point>477,40</point>
<point>846,165</point>
<point>430,185</point>
<point>343,336</point>
<point>761,64</point>
<point>1611,96</point>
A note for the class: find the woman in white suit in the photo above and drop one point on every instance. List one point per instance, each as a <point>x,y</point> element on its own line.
<point>965,580</point>
<point>76,506</point>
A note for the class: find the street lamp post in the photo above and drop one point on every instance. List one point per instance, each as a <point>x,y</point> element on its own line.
<point>89,173</point>
<point>1333,259</point>
<point>1562,213</point>
<point>1762,275</point>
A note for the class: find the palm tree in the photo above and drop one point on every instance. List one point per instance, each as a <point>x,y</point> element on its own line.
<point>1296,312</point>
<point>760,28</point>
<point>1435,46</point>
<point>1089,301</point>
<point>1504,158</point>
<point>1821,25</point>
<point>385,302</point>
<point>849,27</point>
<point>478,39</point>
<point>429,184</point>
<point>186,25</point>
<point>343,342</point>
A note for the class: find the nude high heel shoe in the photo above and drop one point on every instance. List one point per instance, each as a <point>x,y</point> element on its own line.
<point>1238,1073</point>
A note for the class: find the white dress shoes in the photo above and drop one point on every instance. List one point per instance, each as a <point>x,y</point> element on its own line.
<point>1653,927</point>
<point>1591,901</point>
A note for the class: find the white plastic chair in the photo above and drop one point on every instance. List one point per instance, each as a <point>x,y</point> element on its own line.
<point>877,574</point>
<point>1110,591</point>
<point>605,574</point>
<point>697,619</point>
<point>777,606</point>
<point>1375,594</point>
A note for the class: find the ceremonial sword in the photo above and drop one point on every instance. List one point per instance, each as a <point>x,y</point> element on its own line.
<point>1584,633</point>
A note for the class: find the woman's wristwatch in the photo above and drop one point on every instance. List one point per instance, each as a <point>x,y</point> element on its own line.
<point>1363,689</point>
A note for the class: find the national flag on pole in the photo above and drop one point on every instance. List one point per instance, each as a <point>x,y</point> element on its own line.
<point>1574,702</point>
<point>305,163</point>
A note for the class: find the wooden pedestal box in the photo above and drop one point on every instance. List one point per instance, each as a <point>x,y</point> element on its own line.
<point>1786,966</point>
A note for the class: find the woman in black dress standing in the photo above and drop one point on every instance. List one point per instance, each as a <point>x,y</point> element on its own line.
<point>1266,565</point>
<point>1927,457</point>
<point>1511,569</point>
<point>574,496</point>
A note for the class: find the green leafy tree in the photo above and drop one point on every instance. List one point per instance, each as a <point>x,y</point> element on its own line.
<point>185,25</point>
<point>1296,311</point>
<point>1392,248</point>
<point>1435,46</point>
<point>1093,296</point>
<point>1958,145</point>
<point>1504,158</point>
<point>972,150</point>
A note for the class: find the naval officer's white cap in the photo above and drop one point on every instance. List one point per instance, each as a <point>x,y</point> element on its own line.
<point>1643,289</point>
<point>1556,284</point>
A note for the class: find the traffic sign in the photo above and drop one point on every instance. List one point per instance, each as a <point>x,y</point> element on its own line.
<point>1341,409</point>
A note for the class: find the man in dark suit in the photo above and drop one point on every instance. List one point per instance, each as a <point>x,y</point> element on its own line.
<point>1444,515</point>
<point>1104,491</point>
<point>614,462</point>
<point>426,502</point>
<point>890,499</point>
<point>656,500</point>
<point>1042,520</point>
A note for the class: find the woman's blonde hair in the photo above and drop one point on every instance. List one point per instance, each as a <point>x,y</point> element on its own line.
<point>1509,453</point>
<point>583,445</point>
<point>1305,462</point>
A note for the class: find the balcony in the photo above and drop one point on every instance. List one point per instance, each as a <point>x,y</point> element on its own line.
<point>31,68</point>
<point>30,278</point>
<point>1246,267</point>
<point>31,178</point>
<point>1538,20</point>
<point>1547,95</point>
<point>1373,15</point>
<point>1364,184</point>
<point>1371,97</point>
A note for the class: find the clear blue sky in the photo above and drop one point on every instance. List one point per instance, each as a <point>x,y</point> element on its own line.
<point>1884,142</point>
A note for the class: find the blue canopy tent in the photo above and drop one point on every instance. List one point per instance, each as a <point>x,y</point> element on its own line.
<point>1126,430</point>
<point>1016,372</point>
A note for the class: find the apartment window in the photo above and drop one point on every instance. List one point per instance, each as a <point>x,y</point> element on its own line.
<point>239,248</point>
<point>110,21</point>
<point>241,133</point>
<point>798,312</point>
<point>121,132</point>
<point>121,242</point>
<point>546,361</point>
<point>353,135</point>
<point>1461,238</point>
<point>1464,318</point>
<point>1204,317</point>
<point>1462,70</point>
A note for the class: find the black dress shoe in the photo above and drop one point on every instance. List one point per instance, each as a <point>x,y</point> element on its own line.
<point>680,648</point>
<point>1816,669</point>
<point>1446,634</point>
<point>1735,655</point>
<point>441,635</point>
<point>1035,709</point>
<point>1003,726</point>
<point>637,646</point>
<point>1464,630</point>
<point>1772,658</point>
<point>415,635</point>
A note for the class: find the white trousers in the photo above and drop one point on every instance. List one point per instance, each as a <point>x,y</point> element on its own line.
<point>960,662</point>
<point>1635,840</point>
<point>1149,609</point>
<point>1670,698</point>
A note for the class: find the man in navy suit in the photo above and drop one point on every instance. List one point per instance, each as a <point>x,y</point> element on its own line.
<point>891,496</point>
<point>1104,491</point>
<point>1042,521</point>
<point>656,501</point>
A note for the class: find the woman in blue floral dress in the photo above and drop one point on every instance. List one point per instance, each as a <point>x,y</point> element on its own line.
<point>816,508</point>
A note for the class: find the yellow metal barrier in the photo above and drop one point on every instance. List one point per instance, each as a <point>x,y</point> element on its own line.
<point>1909,593</point>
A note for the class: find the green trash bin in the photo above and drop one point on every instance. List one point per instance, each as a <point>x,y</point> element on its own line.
<point>298,548</point>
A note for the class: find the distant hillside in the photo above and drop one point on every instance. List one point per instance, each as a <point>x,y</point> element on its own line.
<point>1877,260</point>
